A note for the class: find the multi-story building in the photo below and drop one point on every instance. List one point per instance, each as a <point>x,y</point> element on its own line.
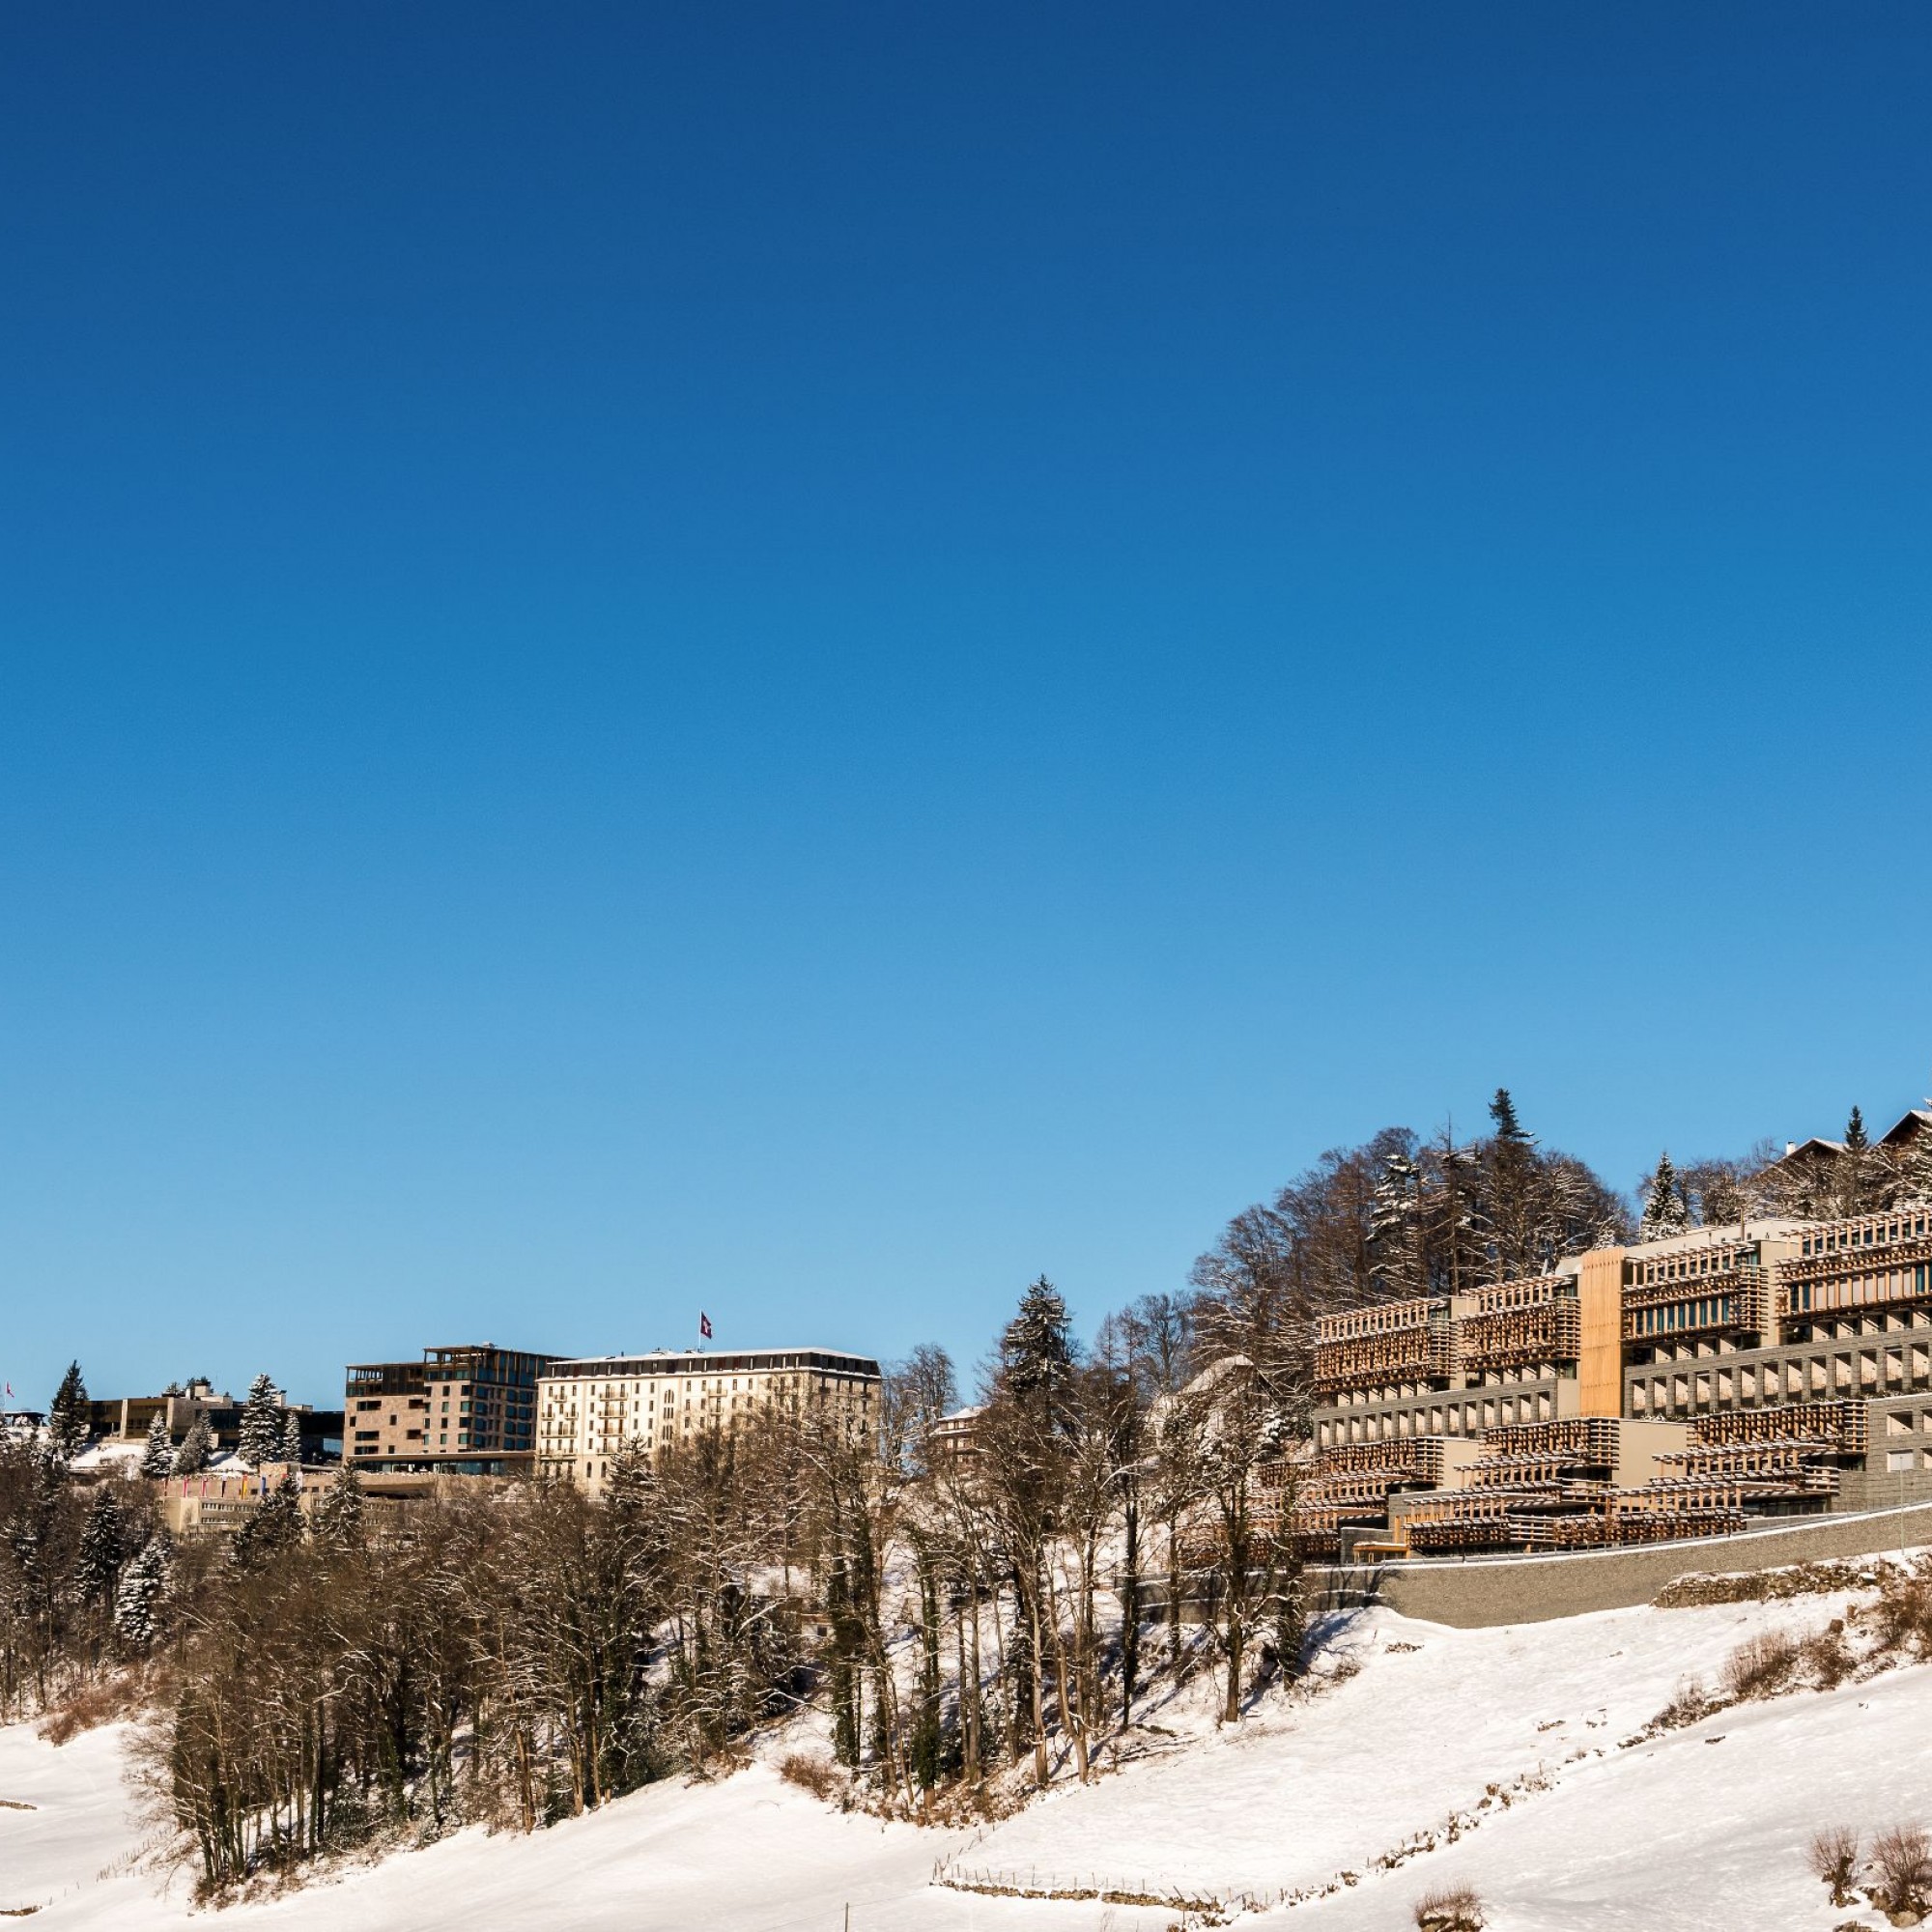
<point>952,1442</point>
<point>1844,1309</point>
<point>1667,1389</point>
<point>591,1408</point>
<point>129,1419</point>
<point>468,1409</point>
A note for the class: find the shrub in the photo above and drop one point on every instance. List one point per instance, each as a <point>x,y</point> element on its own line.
<point>1902,1858</point>
<point>1689,1702</point>
<point>1835,1861</point>
<point>818,1775</point>
<point>1761,1665</point>
<point>1902,1616</point>
<point>106,1701</point>
<point>1450,1908</point>
<point>1826,1659</point>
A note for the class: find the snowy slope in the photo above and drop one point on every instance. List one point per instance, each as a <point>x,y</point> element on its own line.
<point>1706,1828</point>
<point>1675,1834</point>
<point>750,1853</point>
<point>81,1820</point>
<point>1284,1803</point>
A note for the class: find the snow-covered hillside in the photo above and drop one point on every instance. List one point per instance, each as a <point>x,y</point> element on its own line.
<point>1441,1724</point>
<point>1699,1826</point>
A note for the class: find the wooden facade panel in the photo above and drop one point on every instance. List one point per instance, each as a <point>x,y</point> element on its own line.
<point>1600,1366</point>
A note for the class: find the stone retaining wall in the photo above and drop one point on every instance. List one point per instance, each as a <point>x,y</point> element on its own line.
<point>1482,1591</point>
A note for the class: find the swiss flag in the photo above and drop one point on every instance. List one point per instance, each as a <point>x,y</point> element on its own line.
<point>704,1324</point>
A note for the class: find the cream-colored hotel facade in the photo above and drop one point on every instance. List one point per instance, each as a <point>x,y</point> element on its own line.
<point>590,1408</point>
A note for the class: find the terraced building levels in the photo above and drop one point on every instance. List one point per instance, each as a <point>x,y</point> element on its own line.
<point>1675,1388</point>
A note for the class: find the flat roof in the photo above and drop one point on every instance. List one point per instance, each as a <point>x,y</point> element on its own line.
<point>664,1358</point>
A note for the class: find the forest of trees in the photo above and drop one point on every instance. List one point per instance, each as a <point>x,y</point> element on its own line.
<point>348,1673</point>
<point>1822,1181</point>
<point>353,1673</point>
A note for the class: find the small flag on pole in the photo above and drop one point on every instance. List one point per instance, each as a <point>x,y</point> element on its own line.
<point>704,1324</point>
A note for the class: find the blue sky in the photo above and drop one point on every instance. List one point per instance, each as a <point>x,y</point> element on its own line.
<point>807,660</point>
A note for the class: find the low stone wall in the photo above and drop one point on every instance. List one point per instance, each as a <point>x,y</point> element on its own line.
<point>1477,1592</point>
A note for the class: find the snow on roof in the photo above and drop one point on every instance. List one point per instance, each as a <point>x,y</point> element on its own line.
<point>1817,1144</point>
<point>1910,1122</point>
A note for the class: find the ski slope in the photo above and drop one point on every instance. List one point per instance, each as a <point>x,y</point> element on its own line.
<point>1701,1827</point>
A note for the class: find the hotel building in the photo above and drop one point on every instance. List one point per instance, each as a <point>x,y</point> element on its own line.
<point>590,1408</point>
<point>463,1410</point>
<point>1675,1388</point>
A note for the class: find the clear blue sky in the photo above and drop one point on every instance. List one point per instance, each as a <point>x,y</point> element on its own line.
<point>806,662</point>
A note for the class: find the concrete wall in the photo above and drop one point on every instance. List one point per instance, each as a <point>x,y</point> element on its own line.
<point>1450,1412</point>
<point>1484,1591</point>
<point>1896,1361</point>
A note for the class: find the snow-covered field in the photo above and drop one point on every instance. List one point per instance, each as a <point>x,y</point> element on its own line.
<point>1705,1826</point>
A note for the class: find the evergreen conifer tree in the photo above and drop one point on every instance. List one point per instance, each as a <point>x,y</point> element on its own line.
<point>1511,1186</point>
<point>1509,1129</point>
<point>68,1417</point>
<point>1857,1193</point>
<point>1395,1224</point>
<point>276,1525</point>
<point>261,1423</point>
<point>138,1600</point>
<point>196,1449</point>
<point>1037,1351</point>
<point>339,1511</point>
<point>291,1447</point>
<point>1665,1211</point>
<point>98,1561</point>
<point>159,1456</point>
<point>31,1560</point>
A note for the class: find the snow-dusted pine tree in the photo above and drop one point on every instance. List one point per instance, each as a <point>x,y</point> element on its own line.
<point>275,1525</point>
<point>98,1561</point>
<point>138,1602</point>
<point>159,1456</point>
<point>261,1423</point>
<point>68,1423</point>
<point>289,1448</point>
<point>196,1449</point>
<point>1395,1222</point>
<point>1665,1210</point>
<point>1037,1349</point>
<point>338,1513</point>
